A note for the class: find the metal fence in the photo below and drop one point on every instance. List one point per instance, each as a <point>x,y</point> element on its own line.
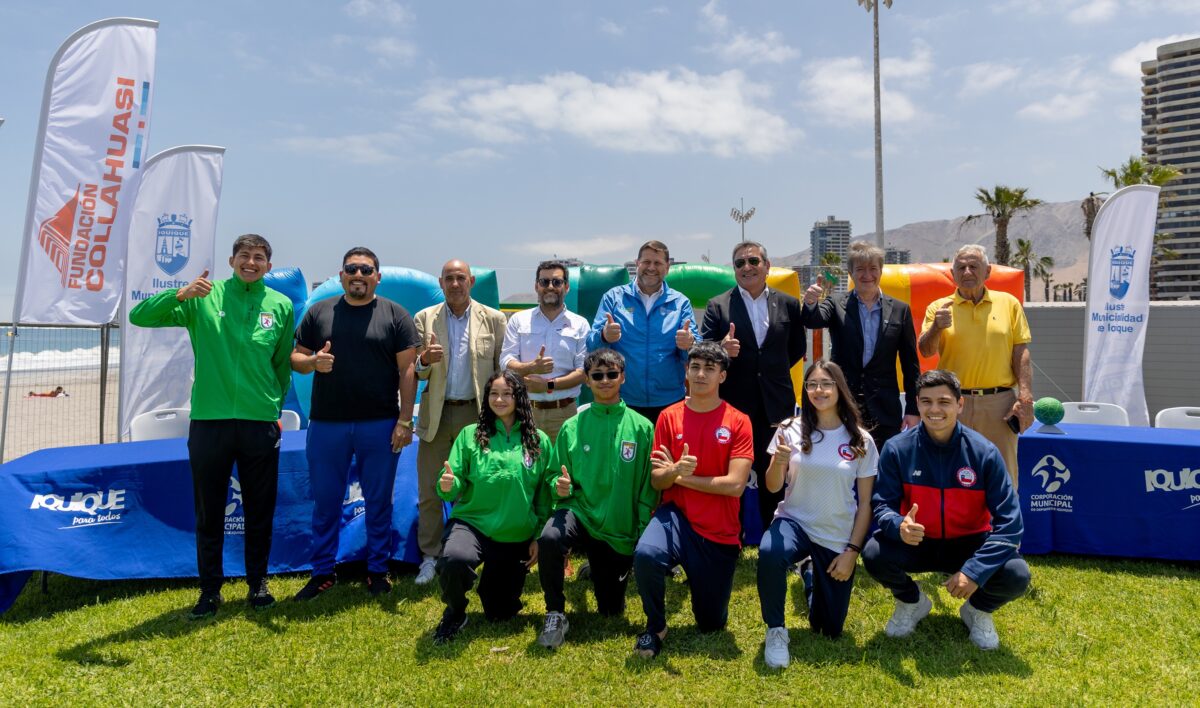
<point>61,388</point>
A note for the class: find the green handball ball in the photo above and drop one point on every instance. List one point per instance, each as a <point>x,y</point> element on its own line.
<point>1048,411</point>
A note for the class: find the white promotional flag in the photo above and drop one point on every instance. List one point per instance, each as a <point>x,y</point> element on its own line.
<point>92,140</point>
<point>172,237</point>
<point>1119,300</point>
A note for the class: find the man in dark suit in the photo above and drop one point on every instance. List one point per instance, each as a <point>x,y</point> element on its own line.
<point>868,331</point>
<point>762,332</point>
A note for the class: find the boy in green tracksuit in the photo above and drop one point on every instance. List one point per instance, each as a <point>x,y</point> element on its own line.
<point>241,334</point>
<point>602,496</point>
<point>497,476</point>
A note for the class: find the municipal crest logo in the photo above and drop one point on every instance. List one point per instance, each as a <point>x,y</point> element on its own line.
<point>266,320</point>
<point>173,243</point>
<point>1120,270</point>
<point>628,450</point>
<point>1052,473</point>
<point>845,452</point>
<point>723,435</point>
<point>967,476</point>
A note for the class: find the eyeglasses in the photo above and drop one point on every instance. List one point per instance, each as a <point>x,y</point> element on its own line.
<point>551,282</point>
<point>601,375</point>
<point>500,394</point>
<point>819,385</point>
<point>356,268</point>
<point>754,261</point>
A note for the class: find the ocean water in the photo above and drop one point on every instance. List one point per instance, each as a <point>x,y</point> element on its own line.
<point>57,348</point>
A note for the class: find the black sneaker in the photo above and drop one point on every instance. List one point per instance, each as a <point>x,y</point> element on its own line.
<point>260,597</point>
<point>316,585</point>
<point>449,627</point>
<point>378,583</point>
<point>207,605</point>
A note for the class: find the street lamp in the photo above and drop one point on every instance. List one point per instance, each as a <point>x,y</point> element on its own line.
<point>742,216</point>
<point>872,6</point>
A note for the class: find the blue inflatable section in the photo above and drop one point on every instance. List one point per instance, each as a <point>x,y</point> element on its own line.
<point>413,289</point>
<point>290,282</point>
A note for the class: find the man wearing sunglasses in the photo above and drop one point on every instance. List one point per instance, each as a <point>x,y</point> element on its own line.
<point>546,345</point>
<point>362,349</point>
<point>602,498</point>
<point>653,327</point>
<point>459,352</point>
<point>763,333</point>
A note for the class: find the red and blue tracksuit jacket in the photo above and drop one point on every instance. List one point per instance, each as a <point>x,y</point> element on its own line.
<point>960,488</point>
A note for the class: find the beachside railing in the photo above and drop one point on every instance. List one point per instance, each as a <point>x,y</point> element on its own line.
<point>59,386</point>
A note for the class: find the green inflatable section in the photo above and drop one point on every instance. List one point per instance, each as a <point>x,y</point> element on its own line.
<point>486,289</point>
<point>700,282</point>
<point>588,285</point>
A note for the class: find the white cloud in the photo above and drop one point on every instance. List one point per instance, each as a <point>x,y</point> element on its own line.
<point>986,77</point>
<point>1093,12</point>
<point>388,11</point>
<point>469,156</point>
<point>841,90</point>
<point>611,28</point>
<point>363,149</point>
<point>1060,107</point>
<point>1128,63</point>
<point>389,50</point>
<point>739,47</point>
<point>650,112</point>
<point>579,248</point>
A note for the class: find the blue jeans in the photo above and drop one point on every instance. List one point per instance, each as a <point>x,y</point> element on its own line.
<point>330,447</point>
<point>784,544</point>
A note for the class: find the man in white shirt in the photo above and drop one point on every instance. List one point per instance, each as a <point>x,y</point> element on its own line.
<point>546,345</point>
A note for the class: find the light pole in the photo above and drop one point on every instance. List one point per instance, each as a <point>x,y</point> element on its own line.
<point>872,6</point>
<point>742,216</point>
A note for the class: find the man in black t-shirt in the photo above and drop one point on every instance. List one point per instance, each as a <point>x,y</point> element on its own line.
<point>356,411</point>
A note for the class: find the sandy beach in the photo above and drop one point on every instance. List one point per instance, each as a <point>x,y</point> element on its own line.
<point>35,423</point>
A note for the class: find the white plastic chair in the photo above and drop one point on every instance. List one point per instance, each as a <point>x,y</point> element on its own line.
<point>1094,413</point>
<point>160,424</point>
<point>289,420</point>
<point>1181,417</point>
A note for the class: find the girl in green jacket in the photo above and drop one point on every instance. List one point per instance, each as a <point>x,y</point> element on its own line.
<point>498,475</point>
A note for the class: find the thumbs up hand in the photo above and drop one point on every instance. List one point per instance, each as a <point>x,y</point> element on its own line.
<point>684,339</point>
<point>911,532</point>
<point>433,353</point>
<point>783,451</point>
<point>200,287</point>
<point>542,364</point>
<point>814,293</point>
<point>446,482</point>
<point>686,465</point>
<point>731,344</point>
<point>943,318</point>
<point>612,329</point>
<point>323,360</point>
<point>562,486</point>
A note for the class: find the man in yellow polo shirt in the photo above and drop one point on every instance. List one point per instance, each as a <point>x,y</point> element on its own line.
<point>982,336</point>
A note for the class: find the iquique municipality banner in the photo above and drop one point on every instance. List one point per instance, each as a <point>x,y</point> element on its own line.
<point>172,235</point>
<point>1119,300</point>
<point>92,140</point>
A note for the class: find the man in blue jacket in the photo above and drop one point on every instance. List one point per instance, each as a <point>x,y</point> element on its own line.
<point>653,327</point>
<point>944,503</point>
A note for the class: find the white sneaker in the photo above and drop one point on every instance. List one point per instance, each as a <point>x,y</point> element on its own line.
<point>906,616</point>
<point>554,630</point>
<point>775,648</point>
<point>983,631</point>
<point>427,570</point>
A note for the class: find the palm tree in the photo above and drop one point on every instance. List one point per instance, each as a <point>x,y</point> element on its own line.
<point>1090,206</point>
<point>831,270</point>
<point>1024,259</point>
<point>1044,268</point>
<point>873,7</point>
<point>1137,170</point>
<point>1002,204</point>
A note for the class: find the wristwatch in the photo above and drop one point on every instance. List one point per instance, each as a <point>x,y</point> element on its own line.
<point>550,386</point>
<point>405,423</point>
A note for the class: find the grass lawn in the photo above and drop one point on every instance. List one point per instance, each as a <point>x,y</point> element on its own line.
<point>1090,631</point>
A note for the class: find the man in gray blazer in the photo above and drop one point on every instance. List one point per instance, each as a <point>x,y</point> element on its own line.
<point>459,351</point>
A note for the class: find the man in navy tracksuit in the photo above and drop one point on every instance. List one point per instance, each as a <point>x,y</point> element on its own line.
<point>944,503</point>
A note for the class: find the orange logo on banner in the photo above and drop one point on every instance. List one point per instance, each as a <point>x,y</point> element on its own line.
<point>54,236</point>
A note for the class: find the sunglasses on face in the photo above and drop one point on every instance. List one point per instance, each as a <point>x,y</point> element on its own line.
<point>356,268</point>
<point>752,260</point>
<point>551,282</point>
<point>601,375</point>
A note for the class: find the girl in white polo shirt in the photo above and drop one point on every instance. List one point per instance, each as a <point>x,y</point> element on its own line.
<point>825,456</point>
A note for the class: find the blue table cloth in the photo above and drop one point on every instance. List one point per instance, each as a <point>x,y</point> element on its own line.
<point>1113,491</point>
<point>124,511</point>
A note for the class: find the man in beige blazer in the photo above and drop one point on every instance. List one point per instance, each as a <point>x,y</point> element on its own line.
<point>459,351</point>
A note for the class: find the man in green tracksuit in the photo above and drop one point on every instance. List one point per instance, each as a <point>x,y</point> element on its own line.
<point>603,498</point>
<point>241,333</point>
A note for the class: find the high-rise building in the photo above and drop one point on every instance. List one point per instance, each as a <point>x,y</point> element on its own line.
<point>830,236</point>
<point>897,256</point>
<point>1171,136</point>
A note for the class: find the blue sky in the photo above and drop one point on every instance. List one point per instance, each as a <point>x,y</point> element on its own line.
<point>505,132</point>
